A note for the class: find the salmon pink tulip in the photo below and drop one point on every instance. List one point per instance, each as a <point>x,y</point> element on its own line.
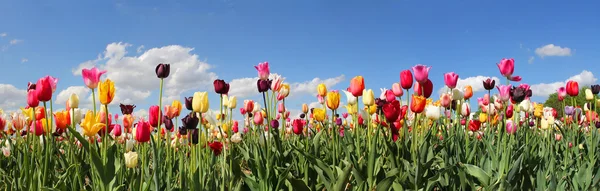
<point>357,85</point>
<point>421,73</point>
<point>91,77</point>
<point>451,79</point>
<point>445,100</point>
<point>397,90</point>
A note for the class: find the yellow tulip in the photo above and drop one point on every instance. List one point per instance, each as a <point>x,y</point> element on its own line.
<point>539,110</point>
<point>351,109</point>
<point>225,128</point>
<point>333,100</point>
<point>544,123</point>
<point>588,94</point>
<point>232,102</point>
<point>91,125</point>
<point>372,109</point>
<point>368,97</point>
<point>304,108</point>
<point>131,159</point>
<point>176,105</point>
<point>106,90</point>
<point>322,90</point>
<point>74,101</point>
<point>200,102</point>
<point>319,114</point>
<point>482,117</point>
<point>28,113</point>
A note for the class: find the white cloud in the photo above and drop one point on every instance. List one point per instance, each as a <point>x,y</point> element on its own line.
<point>585,78</point>
<point>135,77</point>
<point>3,34</point>
<point>23,60</point>
<point>315,105</point>
<point>531,59</point>
<point>552,50</point>
<point>140,49</point>
<point>15,41</point>
<point>246,87</point>
<point>12,97</point>
<point>476,82</point>
<point>81,91</point>
<point>140,113</point>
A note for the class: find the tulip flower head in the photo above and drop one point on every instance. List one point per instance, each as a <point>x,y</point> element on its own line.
<point>468,92</point>
<point>200,102</point>
<point>589,95</point>
<point>451,79</point>
<point>432,112</point>
<point>333,100</point>
<point>297,126</point>
<point>91,77</point>
<point>572,88</point>
<point>62,119</point>
<point>131,159</point>
<point>390,95</point>
<point>162,70</point>
<point>357,85</point>
<point>106,90</point>
<point>511,128</point>
<point>350,98</point>
<point>221,87</point>
<point>143,131</point>
<point>417,104</point>
<point>507,67</point>
<point>322,90</point>
<point>561,93</point>
<point>368,97</point>
<point>73,101</point>
<point>319,114</point>
<point>127,109</point>
<point>406,79</point>
<point>263,85</point>
<point>263,70</point>
<point>392,111</point>
<point>489,84</point>
<point>504,92</point>
<point>424,89</point>
<point>595,89</point>
<point>397,89</point>
<point>216,147</point>
<point>44,89</point>
<point>91,124</point>
<point>32,100</point>
<point>421,73</point>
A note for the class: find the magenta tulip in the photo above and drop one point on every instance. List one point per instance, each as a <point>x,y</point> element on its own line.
<point>91,77</point>
<point>421,73</point>
<point>263,70</point>
<point>451,79</point>
<point>44,89</point>
<point>504,92</point>
<point>507,67</point>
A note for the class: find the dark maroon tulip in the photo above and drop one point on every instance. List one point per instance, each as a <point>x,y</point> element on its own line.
<point>263,85</point>
<point>338,121</point>
<point>595,89</point>
<point>274,123</point>
<point>221,87</point>
<point>518,94</point>
<point>195,136</point>
<point>188,103</point>
<point>168,122</point>
<point>190,121</point>
<point>182,130</point>
<point>302,115</point>
<point>597,124</point>
<point>489,84</point>
<point>30,86</point>
<point>127,109</point>
<point>163,70</point>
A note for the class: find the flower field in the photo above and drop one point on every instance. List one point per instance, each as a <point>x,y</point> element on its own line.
<point>505,142</point>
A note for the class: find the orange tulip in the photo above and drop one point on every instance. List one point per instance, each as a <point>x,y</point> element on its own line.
<point>357,85</point>
<point>128,122</point>
<point>417,105</point>
<point>591,116</point>
<point>468,92</point>
<point>62,119</point>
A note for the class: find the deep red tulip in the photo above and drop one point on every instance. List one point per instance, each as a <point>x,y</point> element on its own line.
<point>127,109</point>
<point>427,87</point>
<point>32,100</point>
<point>163,70</point>
<point>474,125</point>
<point>263,85</point>
<point>489,84</point>
<point>216,147</point>
<point>572,88</point>
<point>392,110</point>
<point>221,87</point>
<point>406,79</point>
<point>143,131</point>
<point>153,115</point>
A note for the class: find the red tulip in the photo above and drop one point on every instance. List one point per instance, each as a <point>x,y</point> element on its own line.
<point>474,125</point>
<point>142,132</point>
<point>406,79</point>
<point>32,100</point>
<point>392,110</point>
<point>509,111</point>
<point>216,147</point>
<point>427,87</point>
<point>44,89</point>
<point>116,130</point>
<point>572,88</point>
<point>357,85</point>
<point>297,126</point>
<point>153,115</point>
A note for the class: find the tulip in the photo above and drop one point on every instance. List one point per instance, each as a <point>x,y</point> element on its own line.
<point>258,118</point>
<point>390,96</point>
<point>106,91</point>
<point>417,104</point>
<point>143,131</point>
<point>321,99</point>
<point>509,111</point>
<point>176,107</point>
<point>595,89</point>
<point>73,101</point>
<point>465,109</point>
<point>489,84</point>
<point>357,85</point>
<point>397,89</point>
<point>426,86</point>
<point>131,159</point>
<point>256,108</point>
<point>333,100</point>
<point>319,114</point>
<point>263,85</point>
<point>504,92</point>
<point>572,88</point>
<point>263,70</point>
<point>368,97</point>
<point>163,70</point>
<point>127,109</point>
<point>558,137</point>
<point>457,94</point>
<point>189,103</point>
<point>561,93</point>
<point>569,110</point>
<point>322,90</point>
<point>32,100</point>
<point>539,109</point>
<point>589,95</point>
<point>383,95</point>
<point>236,138</point>
<point>474,125</point>
<point>468,93</point>
<point>432,112</point>
<point>274,124</point>
<point>406,79</point>
<point>351,109</point>
<point>40,128</point>
<point>284,91</point>
<point>128,122</point>
<point>421,73</point>
<point>524,105</point>
<point>43,89</point>
<point>116,130</point>
<point>483,117</point>
<point>371,109</point>
<point>510,127</point>
<point>350,98</point>
<point>200,102</point>
<point>445,100</point>
<point>6,151</point>
<point>451,79</point>
<point>62,119</point>
<point>297,126</point>
<point>304,108</point>
<point>232,103</point>
<point>91,125</point>
<point>392,111</point>
<point>507,67</point>
<point>153,115</point>
<point>248,105</point>
<point>216,147</point>
<point>221,87</point>
<point>190,121</point>
<point>91,77</point>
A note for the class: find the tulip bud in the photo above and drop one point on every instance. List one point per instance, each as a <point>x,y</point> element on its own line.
<point>221,87</point>
<point>589,95</point>
<point>74,101</point>
<point>275,124</point>
<point>232,102</point>
<point>397,90</point>
<point>321,90</point>
<point>163,70</point>
<point>368,97</point>
<point>236,138</point>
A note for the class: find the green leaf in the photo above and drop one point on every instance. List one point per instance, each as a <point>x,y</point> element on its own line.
<point>298,184</point>
<point>342,179</point>
<point>478,173</point>
<point>386,183</point>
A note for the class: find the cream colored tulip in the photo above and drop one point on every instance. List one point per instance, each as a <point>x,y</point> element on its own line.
<point>432,112</point>
<point>131,159</point>
<point>232,102</point>
<point>588,94</point>
<point>368,97</point>
<point>351,99</point>
<point>236,138</point>
<point>74,101</point>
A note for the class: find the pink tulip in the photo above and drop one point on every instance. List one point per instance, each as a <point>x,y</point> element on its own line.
<point>486,99</point>
<point>32,100</point>
<point>258,118</point>
<point>280,96</point>
<point>562,93</point>
<point>558,137</point>
<point>451,79</point>
<point>53,83</point>
<point>397,89</point>
<point>235,127</point>
<point>421,73</point>
<point>263,70</point>
<point>504,92</point>
<point>345,115</point>
<point>509,111</point>
<point>91,77</point>
<point>280,107</point>
<point>43,88</point>
<point>507,67</point>
<point>321,99</point>
<point>390,96</point>
<point>446,100</point>
<point>510,127</point>
<point>116,130</point>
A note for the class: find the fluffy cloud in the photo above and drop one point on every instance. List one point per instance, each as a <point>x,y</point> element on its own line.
<point>246,87</point>
<point>552,50</point>
<point>12,97</point>
<point>81,91</point>
<point>585,78</point>
<point>476,82</point>
<point>135,77</point>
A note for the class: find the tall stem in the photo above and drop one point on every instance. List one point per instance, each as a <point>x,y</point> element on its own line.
<point>94,101</point>
<point>160,108</point>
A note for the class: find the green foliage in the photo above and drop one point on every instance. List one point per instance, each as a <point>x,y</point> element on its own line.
<point>553,102</point>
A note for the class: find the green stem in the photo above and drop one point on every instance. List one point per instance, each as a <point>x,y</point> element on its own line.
<point>160,109</point>
<point>94,101</point>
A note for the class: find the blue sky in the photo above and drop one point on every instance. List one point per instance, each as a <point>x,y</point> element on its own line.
<point>303,40</point>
